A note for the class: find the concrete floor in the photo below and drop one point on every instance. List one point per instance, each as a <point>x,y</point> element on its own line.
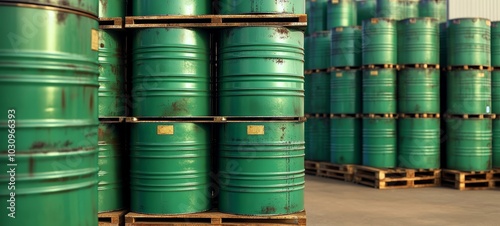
<point>332,202</point>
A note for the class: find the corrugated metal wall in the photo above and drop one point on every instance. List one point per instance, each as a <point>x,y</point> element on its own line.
<point>474,8</point>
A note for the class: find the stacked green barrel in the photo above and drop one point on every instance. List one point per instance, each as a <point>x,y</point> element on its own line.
<point>379,80</point>
<point>469,104</point>
<point>341,13</point>
<point>397,9</point>
<point>112,109</point>
<point>261,79</point>
<point>49,84</point>
<point>171,82</point>
<point>495,90</point>
<point>434,8</point>
<point>366,9</point>
<point>345,95</point>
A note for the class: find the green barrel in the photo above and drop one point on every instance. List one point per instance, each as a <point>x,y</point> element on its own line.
<point>89,7</point>
<point>169,167</point>
<point>261,72</point>
<point>317,139</point>
<point>316,16</point>
<point>345,91</point>
<point>443,45</point>
<point>469,42</point>
<point>308,109</point>
<point>419,143</point>
<point>319,50</point>
<point>341,13</point>
<point>260,6</point>
<point>419,91</point>
<point>112,8</point>
<point>320,92</point>
<point>495,92</point>
<point>392,9</point>
<point>111,167</point>
<point>345,140</point>
<point>379,142</point>
<point>410,8</point>
<point>418,41</point>
<point>261,169</point>
<point>434,8</point>
<point>469,92</point>
<point>49,85</point>
<point>171,72</point>
<point>379,91</point>
<point>307,48</point>
<point>495,44</point>
<point>469,144</point>
<point>170,7</point>
<point>379,41</point>
<point>345,48</point>
<point>111,74</point>
<point>366,9</point>
<point>496,143</point>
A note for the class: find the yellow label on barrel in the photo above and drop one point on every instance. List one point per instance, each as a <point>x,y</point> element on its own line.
<point>339,74</point>
<point>95,40</point>
<point>335,1</point>
<point>480,75</point>
<point>165,130</point>
<point>255,130</point>
<point>373,73</point>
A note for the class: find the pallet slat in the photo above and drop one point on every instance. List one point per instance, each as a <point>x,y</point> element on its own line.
<point>111,23</point>
<point>471,180</point>
<point>114,218</point>
<point>396,178</point>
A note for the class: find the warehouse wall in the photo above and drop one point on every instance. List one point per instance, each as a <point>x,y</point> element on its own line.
<point>474,8</point>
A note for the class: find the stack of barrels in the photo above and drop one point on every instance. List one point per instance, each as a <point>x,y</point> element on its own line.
<point>112,109</point>
<point>495,90</point>
<point>49,86</point>
<point>171,82</point>
<point>469,106</point>
<point>261,81</point>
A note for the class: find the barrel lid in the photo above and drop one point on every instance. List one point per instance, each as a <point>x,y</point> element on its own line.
<point>87,6</point>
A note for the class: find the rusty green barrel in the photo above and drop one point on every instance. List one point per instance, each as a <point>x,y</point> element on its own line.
<point>469,144</point>
<point>316,16</point>
<point>380,41</point>
<point>170,7</point>
<point>469,42</point>
<point>410,9</point>
<point>366,9</point>
<point>169,167</point>
<point>419,143</point>
<point>89,7</point>
<point>379,142</point>
<point>345,48</point>
<point>443,45</point>
<point>260,6</point>
<point>433,8</point>
<point>112,171</point>
<point>345,140</point>
<point>112,8</point>
<point>496,144</point>
<point>469,92</point>
<point>307,94</point>
<point>341,13</point>
<point>317,139</point>
<point>320,92</point>
<point>345,91</point>
<point>392,9</point>
<point>495,44</point>
<point>49,85</point>
<point>419,91</point>
<point>418,41</point>
<point>495,92</point>
<point>261,72</point>
<point>319,50</point>
<point>261,169</point>
<point>379,91</point>
<point>171,72</point>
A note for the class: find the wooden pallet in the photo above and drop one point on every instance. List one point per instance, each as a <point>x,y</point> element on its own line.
<point>474,116</point>
<point>214,119</point>
<point>336,171</point>
<point>471,180</point>
<point>380,115</point>
<point>424,66</point>
<point>396,178</point>
<point>217,21</point>
<point>315,71</point>
<point>114,218</point>
<point>112,119</point>
<point>213,218</point>
<point>322,115</point>
<point>346,115</point>
<point>344,68</point>
<point>311,167</point>
<point>425,115</point>
<point>386,66</point>
<point>470,67</point>
<point>111,23</point>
